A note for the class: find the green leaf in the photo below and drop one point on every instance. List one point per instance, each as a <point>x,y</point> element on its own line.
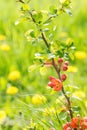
<point>25,7</point>
<point>53,9</point>
<point>65,2</point>
<point>75,98</point>
<point>43,70</point>
<point>33,67</point>
<point>76,108</point>
<point>63,115</point>
<point>30,33</point>
<point>50,56</point>
<point>20,20</point>
<point>71,56</point>
<point>37,16</point>
<point>39,56</point>
<point>68,11</point>
<point>27,1</point>
<point>54,28</point>
<point>46,30</point>
<point>50,35</point>
<point>47,22</point>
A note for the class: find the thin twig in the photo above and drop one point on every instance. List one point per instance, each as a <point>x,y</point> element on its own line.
<point>44,38</point>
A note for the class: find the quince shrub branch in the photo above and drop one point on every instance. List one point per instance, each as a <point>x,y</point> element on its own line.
<point>52,56</point>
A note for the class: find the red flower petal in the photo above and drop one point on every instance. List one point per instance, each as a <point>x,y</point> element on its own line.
<point>67,126</point>
<point>85,122</point>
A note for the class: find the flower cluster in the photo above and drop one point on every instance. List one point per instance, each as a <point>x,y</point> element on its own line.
<point>54,83</point>
<point>63,66</point>
<point>76,123</point>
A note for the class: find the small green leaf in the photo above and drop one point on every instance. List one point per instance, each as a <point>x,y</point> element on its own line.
<point>25,7</point>
<point>76,98</point>
<point>65,2</point>
<point>71,56</point>
<point>76,108</point>
<point>63,115</point>
<point>46,30</point>
<point>50,35</point>
<point>68,11</point>
<point>47,22</point>
<point>50,56</point>
<point>37,16</point>
<point>43,70</point>
<point>20,20</point>
<point>30,33</point>
<point>33,67</point>
<point>27,1</point>
<point>39,56</point>
<point>54,28</point>
<point>53,9</point>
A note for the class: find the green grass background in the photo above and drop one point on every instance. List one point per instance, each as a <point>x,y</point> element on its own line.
<point>22,52</point>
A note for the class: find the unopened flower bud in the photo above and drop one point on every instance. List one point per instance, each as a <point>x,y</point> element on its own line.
<point>60,60</point>
<point>63,77</point>
<point>65,67</point>
<point>66,63</point>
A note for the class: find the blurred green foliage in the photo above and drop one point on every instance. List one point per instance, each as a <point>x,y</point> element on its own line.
<point>19,107</point>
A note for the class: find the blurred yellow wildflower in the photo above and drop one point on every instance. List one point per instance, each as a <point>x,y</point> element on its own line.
<point>2,116</point>
<point>14,75</point>
<point>80,55</point>
<point>72,69</point>
<point>2,37</point>
<point>79,94</point>
<point>38,99</point>
<point>4,47</point>
<point>12,90</point>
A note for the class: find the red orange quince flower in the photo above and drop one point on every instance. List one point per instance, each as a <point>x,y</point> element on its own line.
<point>67,126</point>
<point>85,122</point>
<point>76,122</point>
<point>54,83</point>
